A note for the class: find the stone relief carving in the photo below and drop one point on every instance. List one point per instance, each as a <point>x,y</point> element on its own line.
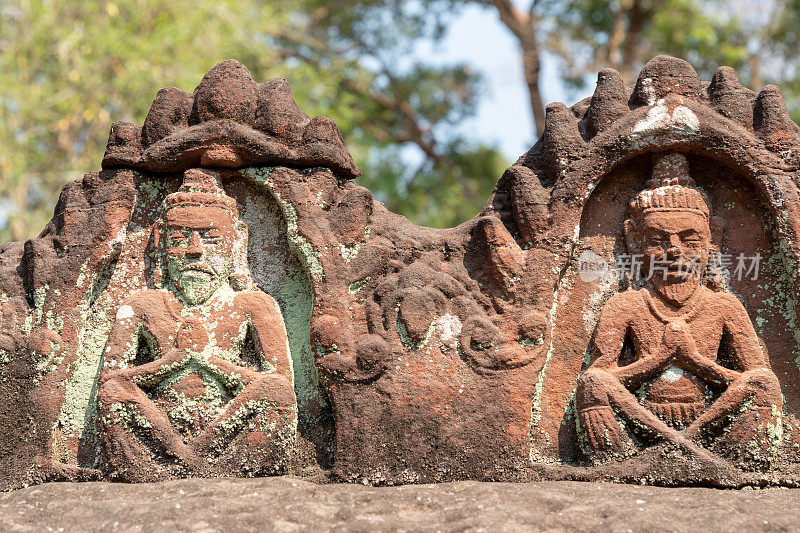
<point>140,336</point>
<point>675,388</point>
<point>197,377</point>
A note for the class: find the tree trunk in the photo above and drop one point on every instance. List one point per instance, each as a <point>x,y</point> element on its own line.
<point>523,26</point>
<point>638,16</point>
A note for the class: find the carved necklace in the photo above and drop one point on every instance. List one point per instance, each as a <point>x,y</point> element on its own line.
<point>687,311</point>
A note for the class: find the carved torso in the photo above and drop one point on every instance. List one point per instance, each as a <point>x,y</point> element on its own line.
<point>195,390</point>
<point>639,317</point>
<point>225,319</point>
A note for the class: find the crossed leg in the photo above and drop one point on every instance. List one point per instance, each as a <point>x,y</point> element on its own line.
<point>598,394</point>
<point>750,409</point>
<point>254,424</point>
<point>124,411</point>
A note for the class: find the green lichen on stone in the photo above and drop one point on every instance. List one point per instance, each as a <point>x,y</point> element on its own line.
<point>152,190</point>
<point>244,414</point>
<point>27,325</point>
<point>79,410</point>
<point>39,296</point>
<point>538,341</point>
<point>781,302</point>
<point>536,407</point>
<point>35,315</point>
<point>83,277</point>
<point>294,295</point>
<point>358,285</point>
<point>310,256</point>
<point>774,431</point>
<point>408,342</point>
<point>349,251</point>
<point>46,363</point>
<point>54,322</point>
<point>126,414</point>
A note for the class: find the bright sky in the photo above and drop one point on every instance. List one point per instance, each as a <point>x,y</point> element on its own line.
<point>504,118</point>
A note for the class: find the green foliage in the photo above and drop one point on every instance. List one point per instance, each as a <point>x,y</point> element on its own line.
<point>760,39</point>
<point>706,41</point>
<point>394,109</point>
<point>440,196</point>
<point>69,69</point>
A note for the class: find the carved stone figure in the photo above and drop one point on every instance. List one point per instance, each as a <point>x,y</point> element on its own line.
<point>677,360</point>
<point>197,378</point>
<point>135,344</point>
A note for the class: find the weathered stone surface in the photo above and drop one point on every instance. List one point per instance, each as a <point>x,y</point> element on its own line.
<point>292,504</point>
<point>196,376</point>
<point>230,121</point>
<point>512,347</point>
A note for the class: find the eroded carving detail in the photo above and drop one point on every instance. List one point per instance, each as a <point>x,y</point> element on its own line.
<point>698,376</point>
<point>197,378</point>
<point>438,354</point>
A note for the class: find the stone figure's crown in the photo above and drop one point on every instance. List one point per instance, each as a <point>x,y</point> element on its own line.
<point>201,188</point>
<point>670,189</point>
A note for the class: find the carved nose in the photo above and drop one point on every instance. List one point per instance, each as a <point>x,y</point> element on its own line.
<point>674,246</point>
<point>194,249</point>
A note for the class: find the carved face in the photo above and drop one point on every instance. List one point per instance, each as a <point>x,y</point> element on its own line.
<point>198,245</point>
<point>669,239</point>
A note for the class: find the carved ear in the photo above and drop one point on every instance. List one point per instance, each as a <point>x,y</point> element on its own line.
<point>632,241</point>
<point>240,271</point>
<point>717,226</point>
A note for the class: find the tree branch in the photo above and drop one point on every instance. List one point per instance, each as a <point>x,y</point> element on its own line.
<point>523,26</point>
<point>532,8</point>
<point>616,38</point>
<point>639,16</point>
<point>412,130</point>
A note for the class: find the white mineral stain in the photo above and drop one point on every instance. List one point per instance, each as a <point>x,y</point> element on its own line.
<point>591,313</point>
<point>684,115</point>
<point>659,118</point>
<point>449,328</point>
<point>649,90</point>
<point>672,374</point>
<point>125,311</point>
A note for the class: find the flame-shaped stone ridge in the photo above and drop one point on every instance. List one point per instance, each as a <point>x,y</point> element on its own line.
<point>668,103</point>
<point>229,121</point>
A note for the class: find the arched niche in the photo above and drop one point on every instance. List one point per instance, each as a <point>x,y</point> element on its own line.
<point>278,271</point>
<point>747,224</point>
<point>275,269</point>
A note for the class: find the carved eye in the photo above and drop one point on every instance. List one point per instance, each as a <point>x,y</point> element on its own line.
<point>212,235</point>
<point>176,237</point>
<point>692,239</point>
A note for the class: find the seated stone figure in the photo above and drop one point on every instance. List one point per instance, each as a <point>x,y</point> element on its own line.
<point>197,378</point>
<point>660,371</point>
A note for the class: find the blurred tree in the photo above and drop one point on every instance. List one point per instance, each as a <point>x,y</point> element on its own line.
<point>67,69</point>
<point>396,111</point>
<point>753,36</point>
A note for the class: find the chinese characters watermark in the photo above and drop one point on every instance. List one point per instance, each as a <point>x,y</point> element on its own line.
<point>592,266</point>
